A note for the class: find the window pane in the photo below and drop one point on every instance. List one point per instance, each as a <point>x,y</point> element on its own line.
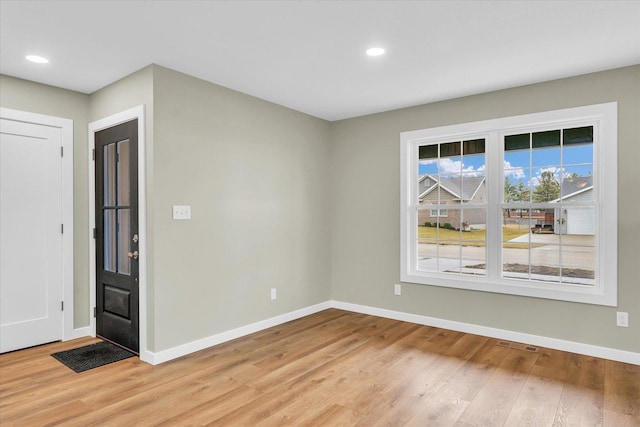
<point>550,138</point>
<point>452,244</point>
<point>425,217</point>
<point>516,185</point>
<point>578,261</point>
<point>450,189</point>
<point>449,256</point>
<point>549,156</point>
<point>545,185</point>
<point>450,149</point>
<point>123,172</point>
<point>450,166</point>
<point>516,237</point>
<point>427,240</point>
<point>474,189</point>
<point>427,191</point>
<point>124,262</point>
<point>517,159</point>
<point>577,135</point>
<point>475,146</point>
<point>473,224</point>
<point>545,258</point>
<point>474,163</point>
<point>515,262</point>
<point>578,221</point>
<point>517,142</point>
<point>450,162</point>
<point>109,186</point>
<point>429,166</point>
<point>474,259</point>
<point>577,185</point>
<point>428,152</point>
<point>109,257</point>
<point>473,244</point>
<point>577,154</point>
<point>516,225</point>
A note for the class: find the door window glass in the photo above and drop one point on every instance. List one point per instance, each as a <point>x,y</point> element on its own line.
<point>123,172</point>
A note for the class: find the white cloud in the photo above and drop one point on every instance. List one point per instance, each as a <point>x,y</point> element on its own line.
<point>450,167</point>
<point>557,172</point>
<point>516,174</point>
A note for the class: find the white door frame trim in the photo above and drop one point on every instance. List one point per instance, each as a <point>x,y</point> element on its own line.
<point>116,119</point>
<point>66,133</point>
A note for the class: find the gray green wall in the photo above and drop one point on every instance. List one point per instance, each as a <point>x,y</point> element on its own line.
<point>281,199</point>
<point>365,219</point>
<point>255,175</point>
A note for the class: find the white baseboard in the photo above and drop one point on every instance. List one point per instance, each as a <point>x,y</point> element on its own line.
<point>79,333</point>
<point>184,349</point>
<point>557,344</point>
<point>554,343</point>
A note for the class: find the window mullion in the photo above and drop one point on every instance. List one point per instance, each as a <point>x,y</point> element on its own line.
<point>494,198</point>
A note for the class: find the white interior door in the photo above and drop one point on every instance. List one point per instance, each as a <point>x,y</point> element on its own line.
<point>30,234</point>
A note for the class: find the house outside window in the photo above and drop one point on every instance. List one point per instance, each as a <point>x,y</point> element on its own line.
<point>529,202</point>
<point>438,213</point>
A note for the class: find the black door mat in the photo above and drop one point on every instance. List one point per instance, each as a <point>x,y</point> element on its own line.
<point>92,356</point>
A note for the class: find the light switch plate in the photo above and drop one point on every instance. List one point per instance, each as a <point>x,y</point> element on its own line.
<point>181,212</point>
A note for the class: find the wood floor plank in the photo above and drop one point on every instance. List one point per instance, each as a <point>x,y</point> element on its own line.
<point>494,401</point>
<point>333,368</point>
<point>582,397</point>
<point>616,419</point>
<point>337,416</point>
<point>438,411</point>
<point>622,389</point>
<point>214,408</point>
<point>537,403</point>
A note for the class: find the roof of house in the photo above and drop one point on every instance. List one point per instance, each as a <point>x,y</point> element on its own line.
<point>462,188</point>
<point>575,185</point>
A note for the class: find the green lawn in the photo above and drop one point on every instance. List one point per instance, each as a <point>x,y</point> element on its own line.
<point>473,237</point>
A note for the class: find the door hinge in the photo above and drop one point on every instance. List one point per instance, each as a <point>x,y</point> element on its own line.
<point>61,305</point>
<point>94,312</point>
<point>62,228</point>
<point>95,233</point>
<point>61,151</point>
<point>93,154</point>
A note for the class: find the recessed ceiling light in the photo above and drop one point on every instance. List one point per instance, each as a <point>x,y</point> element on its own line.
<point>37,59</point>
<point>375,51</point>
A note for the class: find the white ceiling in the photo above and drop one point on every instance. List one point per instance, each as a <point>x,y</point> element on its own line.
<point>310,55</point>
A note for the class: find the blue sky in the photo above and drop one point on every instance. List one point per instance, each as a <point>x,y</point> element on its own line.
<point>575,158</point>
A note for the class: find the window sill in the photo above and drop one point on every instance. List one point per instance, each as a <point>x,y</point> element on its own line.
<point>585,294</point>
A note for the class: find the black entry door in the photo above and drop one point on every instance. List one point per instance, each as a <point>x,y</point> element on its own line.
<point>117,234</point>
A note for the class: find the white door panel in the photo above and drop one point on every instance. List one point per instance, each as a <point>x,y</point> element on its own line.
<point>30,235</point>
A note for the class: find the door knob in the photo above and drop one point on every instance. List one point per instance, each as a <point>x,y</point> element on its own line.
<point>133,254</point>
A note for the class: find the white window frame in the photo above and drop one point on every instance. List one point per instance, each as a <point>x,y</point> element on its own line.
<point>604,119</point>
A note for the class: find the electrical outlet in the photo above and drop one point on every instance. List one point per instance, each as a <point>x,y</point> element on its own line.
<point>397,289</point>
<point>622,319</point>
<point>273,294</point>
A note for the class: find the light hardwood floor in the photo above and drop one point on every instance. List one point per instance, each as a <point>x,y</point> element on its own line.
<point>334,368</point>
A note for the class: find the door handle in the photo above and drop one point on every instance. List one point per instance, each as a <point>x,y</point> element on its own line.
<point>133,254</point>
